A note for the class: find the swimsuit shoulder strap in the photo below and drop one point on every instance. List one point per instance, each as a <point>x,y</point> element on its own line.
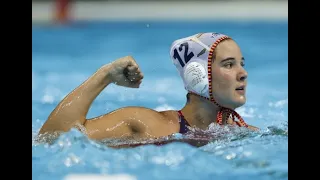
<point>183,123</point>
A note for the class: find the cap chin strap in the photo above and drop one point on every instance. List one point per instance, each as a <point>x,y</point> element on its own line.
<point>222,110</point>
<point>227,112</point>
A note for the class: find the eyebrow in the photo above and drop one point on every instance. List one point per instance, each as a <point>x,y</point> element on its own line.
<point>231,58</point>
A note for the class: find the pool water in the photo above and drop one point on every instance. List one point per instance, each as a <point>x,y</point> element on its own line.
<point>65,56</point>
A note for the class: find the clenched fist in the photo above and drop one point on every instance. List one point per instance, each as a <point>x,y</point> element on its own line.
<point>125,72</point>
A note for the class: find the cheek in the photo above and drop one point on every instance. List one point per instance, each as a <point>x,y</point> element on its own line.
<point>221,78</point>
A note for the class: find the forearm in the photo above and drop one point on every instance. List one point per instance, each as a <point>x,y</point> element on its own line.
<point>75,106</point>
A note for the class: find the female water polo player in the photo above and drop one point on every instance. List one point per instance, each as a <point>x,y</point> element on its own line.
<point>211,67</point>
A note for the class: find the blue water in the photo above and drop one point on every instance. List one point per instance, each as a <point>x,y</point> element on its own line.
<point>64,56</point>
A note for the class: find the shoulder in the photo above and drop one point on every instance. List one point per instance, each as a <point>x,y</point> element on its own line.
<point>253,128</point>
<point>168,119</point>
<point>170,116</point>
<point>158,119</point>
<point>143,111</point>
<point>138,120</point>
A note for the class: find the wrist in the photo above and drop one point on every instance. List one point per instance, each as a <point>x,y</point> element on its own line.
<point>105,71</point>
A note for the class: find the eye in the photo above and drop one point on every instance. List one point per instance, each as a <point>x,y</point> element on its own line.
<point>228,65</point>
<point>242,64</point>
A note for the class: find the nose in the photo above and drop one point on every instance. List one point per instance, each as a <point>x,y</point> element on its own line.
<point>242,75</point>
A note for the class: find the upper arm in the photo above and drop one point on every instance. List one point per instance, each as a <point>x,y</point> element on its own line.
<point>129,121</point>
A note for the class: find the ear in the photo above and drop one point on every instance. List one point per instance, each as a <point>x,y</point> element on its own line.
<point>196,78</point>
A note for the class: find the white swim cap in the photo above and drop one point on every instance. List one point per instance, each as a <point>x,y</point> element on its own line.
<point>192,57</point>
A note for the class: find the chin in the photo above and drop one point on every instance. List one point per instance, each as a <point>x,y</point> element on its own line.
<point>238,102</point>
<point>232,103</point>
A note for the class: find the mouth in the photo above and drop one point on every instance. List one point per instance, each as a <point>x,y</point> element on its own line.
<point>240,88</point>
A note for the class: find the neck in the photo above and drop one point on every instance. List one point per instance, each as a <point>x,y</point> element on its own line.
<point>200,112</point>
